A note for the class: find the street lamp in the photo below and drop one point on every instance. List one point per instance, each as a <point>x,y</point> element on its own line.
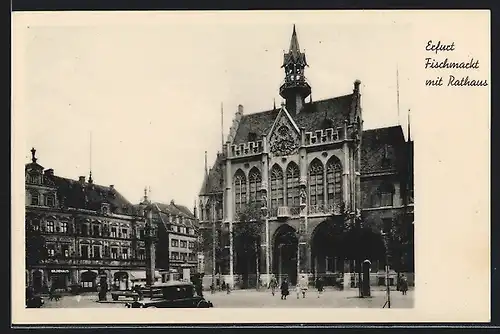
<point>388,289</point>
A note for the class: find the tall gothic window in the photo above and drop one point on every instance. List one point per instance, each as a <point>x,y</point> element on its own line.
<point>292,185</point>
<point>316,195</point>
<point>334,181</point>
<point>386,194</point>
<point>277,191</point>
<point>240,190</point>
<point>255,184</point>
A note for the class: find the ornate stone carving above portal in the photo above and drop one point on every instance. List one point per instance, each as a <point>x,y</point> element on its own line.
<point>285,140</point>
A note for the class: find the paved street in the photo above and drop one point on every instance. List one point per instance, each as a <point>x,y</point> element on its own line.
<point>263,299</point>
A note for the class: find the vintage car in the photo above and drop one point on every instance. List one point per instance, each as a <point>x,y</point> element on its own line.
<point>173,294</point>
<point>127,294</point>
<point>35,301</point>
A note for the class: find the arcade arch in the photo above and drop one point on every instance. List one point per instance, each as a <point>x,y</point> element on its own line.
<point>285,248</point>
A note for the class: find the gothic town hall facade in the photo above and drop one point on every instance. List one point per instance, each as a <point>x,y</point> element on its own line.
<point>329,194</point>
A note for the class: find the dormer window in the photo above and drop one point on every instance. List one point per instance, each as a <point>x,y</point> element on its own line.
<point>105,208</point>
<point>252,136</point>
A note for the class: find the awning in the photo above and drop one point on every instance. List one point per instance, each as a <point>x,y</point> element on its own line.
<point>141,275</point>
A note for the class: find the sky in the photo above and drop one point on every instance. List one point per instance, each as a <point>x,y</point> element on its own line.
<point>139,101</point>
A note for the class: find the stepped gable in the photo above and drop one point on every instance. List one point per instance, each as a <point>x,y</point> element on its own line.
<point>381,149</point>
<point>311,118</point>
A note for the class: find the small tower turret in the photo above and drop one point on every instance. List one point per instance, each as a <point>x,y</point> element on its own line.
<point>295,89</point>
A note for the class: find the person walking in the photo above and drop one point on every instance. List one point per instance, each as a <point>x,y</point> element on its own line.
<point>284,289</point>
<point>302,286</point>
<point>319,286</point>
<point>273,284</point>
<point>403,285</point>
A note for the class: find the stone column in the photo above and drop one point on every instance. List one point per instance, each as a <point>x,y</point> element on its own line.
<point>347,168</point>
<point>265,249</point>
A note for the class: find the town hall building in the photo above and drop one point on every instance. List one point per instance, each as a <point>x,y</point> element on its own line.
<point>326,194</point>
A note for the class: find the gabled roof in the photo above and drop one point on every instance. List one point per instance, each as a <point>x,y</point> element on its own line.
<point>382,149</point>
<point>176,210</point>
<point>89,196</point>
<point>311,118</point>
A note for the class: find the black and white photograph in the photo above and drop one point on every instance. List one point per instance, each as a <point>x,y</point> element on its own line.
<point>223,160</point>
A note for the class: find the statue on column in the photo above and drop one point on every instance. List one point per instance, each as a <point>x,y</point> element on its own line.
<point>303,197</point>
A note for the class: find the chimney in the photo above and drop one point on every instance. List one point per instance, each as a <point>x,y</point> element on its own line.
<point>81,179</point>
<point>112,186</point>
<point>49,172</point>
<point>240,109</point>
<point>172,202</point>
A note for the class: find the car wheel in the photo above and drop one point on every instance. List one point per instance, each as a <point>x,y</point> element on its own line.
<point>202,304</point>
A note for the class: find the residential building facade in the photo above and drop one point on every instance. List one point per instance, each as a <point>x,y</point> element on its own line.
<point>79,232</point>
<point>331,193</point>
<point>176,248</point>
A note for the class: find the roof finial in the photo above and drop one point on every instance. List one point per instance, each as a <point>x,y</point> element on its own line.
<point>33,157</point>
<point>145,194</point>
<point>274,104</point>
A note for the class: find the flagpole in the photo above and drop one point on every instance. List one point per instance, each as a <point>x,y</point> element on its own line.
<point>397,90</point>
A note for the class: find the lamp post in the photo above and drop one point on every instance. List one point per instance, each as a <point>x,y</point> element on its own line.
<point>388,288</point>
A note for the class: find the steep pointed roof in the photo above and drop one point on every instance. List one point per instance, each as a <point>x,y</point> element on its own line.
<point>294,43</point>
<point>311,118</point>
<point>294,55</point>
<point>213,181</point>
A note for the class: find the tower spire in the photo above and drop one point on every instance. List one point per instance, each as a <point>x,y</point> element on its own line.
<point>294,43</point>
<point>295,89</point>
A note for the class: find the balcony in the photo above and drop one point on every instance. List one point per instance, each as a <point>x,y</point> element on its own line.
<point>284,212</point>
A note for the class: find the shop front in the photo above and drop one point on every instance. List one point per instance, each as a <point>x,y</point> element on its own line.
<point>59,279</point>
<point>37,280</point>
<point>88,280</point>
<point>121,281</point>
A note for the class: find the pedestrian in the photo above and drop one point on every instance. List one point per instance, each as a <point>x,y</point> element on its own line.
<point>273,283</point>
<point>223,285</point>
<point>284,289</point>
<point>212,288</point>
<point>228,288</point>
<point>319,286</point>
<point>403,285</point>
<point>302,286</point>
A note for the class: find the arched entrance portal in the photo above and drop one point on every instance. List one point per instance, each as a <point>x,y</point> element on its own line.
<point>328,252</point>
<point>285,254</point>
<point>336,250</point>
